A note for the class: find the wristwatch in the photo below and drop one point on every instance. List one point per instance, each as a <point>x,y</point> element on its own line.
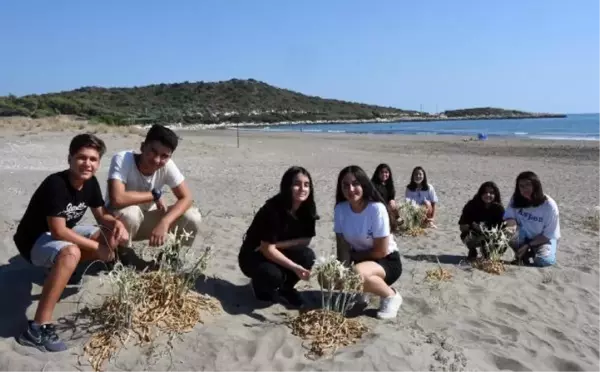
<point>156,194</point>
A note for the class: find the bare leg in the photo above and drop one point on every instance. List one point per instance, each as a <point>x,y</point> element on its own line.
<point>373,279</point>
<point>64,266</point>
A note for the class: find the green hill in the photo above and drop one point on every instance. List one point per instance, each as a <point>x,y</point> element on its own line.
<point>493,113</point>
<point>199,102</point>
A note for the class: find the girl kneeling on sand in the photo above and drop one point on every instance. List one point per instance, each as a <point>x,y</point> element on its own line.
<point>485,208</point>
<point>384,183</point>
<point>533,217</point>
<point>422,193</point>
<point>363,229</point>
<point>275,253</point>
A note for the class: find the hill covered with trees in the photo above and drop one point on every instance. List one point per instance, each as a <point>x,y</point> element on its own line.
<point>189,103</point>
<point>494,113</point>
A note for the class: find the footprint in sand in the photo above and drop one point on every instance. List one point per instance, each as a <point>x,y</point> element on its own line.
<point>510,308</point>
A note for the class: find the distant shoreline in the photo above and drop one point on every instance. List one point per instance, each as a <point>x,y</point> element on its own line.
<point>399,119</point>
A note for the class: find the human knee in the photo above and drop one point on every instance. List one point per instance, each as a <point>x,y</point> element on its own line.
<point>68,256</point>
<point>131,216</point>
<point>268,275</point>
<point>191,220</point>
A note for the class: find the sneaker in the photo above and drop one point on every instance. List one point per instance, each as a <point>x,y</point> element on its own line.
<point>42,337</point>
<point>472,255</point>
<point>291,296</point>
<point>389,306</point>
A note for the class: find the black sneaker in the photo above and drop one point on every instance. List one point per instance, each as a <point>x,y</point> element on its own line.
<point>43,337</point>
<point>472,256</point>
<point>292,297</point>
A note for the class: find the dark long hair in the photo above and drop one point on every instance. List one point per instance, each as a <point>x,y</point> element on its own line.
<point>308,208</point>
<point>537,196</point>
<point>370,194</point>
<point>412,185</point>
<point>485,185</point>
<point>389,185</point>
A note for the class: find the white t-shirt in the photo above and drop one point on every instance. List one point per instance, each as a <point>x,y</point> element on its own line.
<point>534,221</point>
<point>123,168</point>
<point>359,229</point>
<point>421,196</point>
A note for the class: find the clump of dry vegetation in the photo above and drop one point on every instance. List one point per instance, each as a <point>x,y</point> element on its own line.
<point>438,274</point>
<point>143,305</point>
<point>495,243</point>
<point>592,222</point>
<point>328,328</point>
<point>413,217</point>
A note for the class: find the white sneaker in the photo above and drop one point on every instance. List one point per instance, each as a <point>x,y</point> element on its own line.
<point>389,306</point>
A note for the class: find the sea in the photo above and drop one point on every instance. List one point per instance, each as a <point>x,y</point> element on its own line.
<point>572,127</point>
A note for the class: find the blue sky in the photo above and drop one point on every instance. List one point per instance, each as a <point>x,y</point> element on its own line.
<point>536,55</point>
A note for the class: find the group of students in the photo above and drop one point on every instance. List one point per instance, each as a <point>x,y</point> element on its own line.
<point>275,252</point>
<point>48,235</point>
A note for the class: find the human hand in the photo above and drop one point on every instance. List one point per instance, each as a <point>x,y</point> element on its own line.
<point>302,273</point>
<point>161,205</point>
<point>120,233</point>
<point>158,234</point>
<point>522,250</point>
<point>476,227</point>
<point>105,253</point>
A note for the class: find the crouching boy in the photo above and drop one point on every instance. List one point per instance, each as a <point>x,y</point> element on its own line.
<point>48,235</point>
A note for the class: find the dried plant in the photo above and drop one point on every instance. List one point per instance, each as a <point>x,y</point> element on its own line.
<point>144,304</point>
<point>328,328</point>
<point>438,274</point>
<point>413,217</point>
<point>495,242</point>
<point>592,222</point>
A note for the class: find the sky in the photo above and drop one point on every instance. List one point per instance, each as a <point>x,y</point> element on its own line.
<point>534,55</point>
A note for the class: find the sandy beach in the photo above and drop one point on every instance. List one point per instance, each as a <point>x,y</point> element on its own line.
<point>525,319</point>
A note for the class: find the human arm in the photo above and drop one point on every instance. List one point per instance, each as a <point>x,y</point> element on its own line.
<point>379,250</point>
<point>273,254</point>
<point>120,166</point>
<point>343,249</point>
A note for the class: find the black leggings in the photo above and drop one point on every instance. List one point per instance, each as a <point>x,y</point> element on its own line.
<point>267,276</point>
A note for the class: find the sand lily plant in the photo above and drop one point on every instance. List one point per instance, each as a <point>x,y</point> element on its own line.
<point>328,328</point>
<point>142,305</point>
<point>495,242</point>
<point>413,217</point>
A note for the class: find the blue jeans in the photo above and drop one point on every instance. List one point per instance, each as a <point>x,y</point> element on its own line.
<point>543,255</point>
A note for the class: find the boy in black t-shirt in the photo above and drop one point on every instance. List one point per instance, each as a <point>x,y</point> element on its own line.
<point>48,235</point>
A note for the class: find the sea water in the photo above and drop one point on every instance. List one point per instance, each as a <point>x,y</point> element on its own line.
<point>572,127</point>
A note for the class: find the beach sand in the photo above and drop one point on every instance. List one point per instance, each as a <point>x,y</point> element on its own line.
<point>525,319</point>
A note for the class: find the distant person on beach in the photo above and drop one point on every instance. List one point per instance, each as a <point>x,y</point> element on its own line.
<point>275,251</point>
<point>363,229</point>
<point>135,190</point>
<point>534,219</point>
<point>384,183</point>
<point>48,235</point>
<point>422,192</point>
<point>485,208</point>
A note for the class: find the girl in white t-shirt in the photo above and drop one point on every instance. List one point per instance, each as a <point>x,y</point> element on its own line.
<point>363,229</point>
<point>533,217</point>
<point>422,192</point>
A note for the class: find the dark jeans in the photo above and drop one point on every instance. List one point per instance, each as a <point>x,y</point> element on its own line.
<point>267,276</point>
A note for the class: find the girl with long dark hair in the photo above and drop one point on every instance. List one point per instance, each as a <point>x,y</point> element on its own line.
<point>533,217</point>
<point>383,181</point>
<point>275,253</point>
<point>363,228</point>
<point>422,192</point>
<point>485,208</point>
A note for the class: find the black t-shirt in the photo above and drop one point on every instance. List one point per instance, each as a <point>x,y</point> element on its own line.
<point>55,197</point>
<point>387,197</point>
<point>273,223</point>
<point>475,211</point>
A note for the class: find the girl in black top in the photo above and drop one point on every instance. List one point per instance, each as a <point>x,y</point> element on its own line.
<point>384,183</point>
<point>275,253</point>
<point>486,207</point>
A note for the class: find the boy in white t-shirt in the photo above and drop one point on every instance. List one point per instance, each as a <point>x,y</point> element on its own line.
<point>135,190</point>
<point>533,217</point>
